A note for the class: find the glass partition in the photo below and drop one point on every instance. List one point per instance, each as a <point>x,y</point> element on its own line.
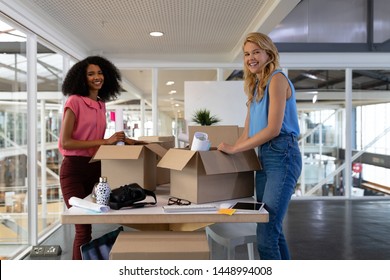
<point>319,144</point>
<point>371,152</point>
<point>321,104</point>
<point>13,140</point>
<point>49,78</point>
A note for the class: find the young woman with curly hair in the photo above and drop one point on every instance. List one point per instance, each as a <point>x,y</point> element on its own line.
<point>271,126</point>
<point>89,84</point>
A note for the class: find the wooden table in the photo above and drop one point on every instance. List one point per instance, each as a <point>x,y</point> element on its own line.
<point>156,215</point>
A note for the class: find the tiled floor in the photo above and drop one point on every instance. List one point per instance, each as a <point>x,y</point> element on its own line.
<point>339,230</point>
<point>315,230</point>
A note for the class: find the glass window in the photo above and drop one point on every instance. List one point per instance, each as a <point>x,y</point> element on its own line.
<point>321,105</point>
<point>49,78</point>
<point>13,140</point>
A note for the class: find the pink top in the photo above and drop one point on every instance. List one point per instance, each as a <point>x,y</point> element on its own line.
<point>90,123</point>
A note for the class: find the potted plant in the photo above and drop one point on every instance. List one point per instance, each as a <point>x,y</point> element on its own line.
<point>203,117</point>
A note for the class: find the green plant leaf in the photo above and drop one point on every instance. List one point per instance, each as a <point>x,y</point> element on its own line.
<point>203,117</point>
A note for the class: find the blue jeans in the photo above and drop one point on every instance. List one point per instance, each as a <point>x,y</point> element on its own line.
<point>281,167</point>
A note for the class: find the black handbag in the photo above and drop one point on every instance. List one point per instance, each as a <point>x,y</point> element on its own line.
<point>130,196</point>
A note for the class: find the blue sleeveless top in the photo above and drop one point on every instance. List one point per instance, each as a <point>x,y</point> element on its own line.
<point>258,118</point>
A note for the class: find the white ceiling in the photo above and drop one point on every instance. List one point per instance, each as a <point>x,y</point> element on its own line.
<point>200,35</point>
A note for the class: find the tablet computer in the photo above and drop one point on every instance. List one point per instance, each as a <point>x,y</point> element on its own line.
<point>248,206</point>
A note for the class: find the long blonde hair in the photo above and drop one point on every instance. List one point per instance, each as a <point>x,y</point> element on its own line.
<point>250,80</point>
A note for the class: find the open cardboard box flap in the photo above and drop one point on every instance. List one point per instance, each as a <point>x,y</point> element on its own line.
<point>156,139</point>
<point>176,159</point>
<point>214,162</point>
<point>126,151</point>
<point>157,149</point>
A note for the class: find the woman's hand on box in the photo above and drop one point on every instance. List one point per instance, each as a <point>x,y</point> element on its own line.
<point>129,141</point>
<point>226,148</point>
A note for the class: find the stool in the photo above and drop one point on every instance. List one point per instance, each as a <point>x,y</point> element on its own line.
<point>230,235</point>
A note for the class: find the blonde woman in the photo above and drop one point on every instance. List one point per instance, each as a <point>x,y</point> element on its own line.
<point>271,126</point>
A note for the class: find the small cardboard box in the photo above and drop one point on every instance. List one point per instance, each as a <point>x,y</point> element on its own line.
<point>209,176</point>
<point>160,245</point>
<point>167,142</point>
<point>216,133</point>
<point>130,164</point>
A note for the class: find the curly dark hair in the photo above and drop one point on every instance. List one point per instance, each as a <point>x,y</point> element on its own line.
<point>75,81</point>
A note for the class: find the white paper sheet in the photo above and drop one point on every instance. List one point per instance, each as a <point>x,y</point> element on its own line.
<point>78,202</point>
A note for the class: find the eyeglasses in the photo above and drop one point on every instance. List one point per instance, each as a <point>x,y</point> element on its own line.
<point>178,201</point>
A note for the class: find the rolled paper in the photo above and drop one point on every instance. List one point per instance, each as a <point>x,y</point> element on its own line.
<point>119,122</point>
<point>200,142</point>
<point>118,119</point>
<point>78,202</point>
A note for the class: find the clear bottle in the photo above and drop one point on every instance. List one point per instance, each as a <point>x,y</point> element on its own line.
<point>102,191</point>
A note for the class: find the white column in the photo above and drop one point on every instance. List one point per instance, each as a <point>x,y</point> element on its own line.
<point>348,136</point>
<point>142,116</point>
<point>65,68</point>
<point>220,74</point>
<point>155,101</point>
<point>43,164</point>
<point>176,129</point>
<point>32,170</point>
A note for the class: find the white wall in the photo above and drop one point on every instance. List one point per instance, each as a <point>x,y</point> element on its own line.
<point>225,99</point>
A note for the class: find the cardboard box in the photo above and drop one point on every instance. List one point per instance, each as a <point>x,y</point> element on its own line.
<point>19,200</point>
<point>240,131</point>
<point>167,142</point>
<point>160,245</point>
<point>130,164</point>
<point>209,176</point>
<point>217,133</point>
